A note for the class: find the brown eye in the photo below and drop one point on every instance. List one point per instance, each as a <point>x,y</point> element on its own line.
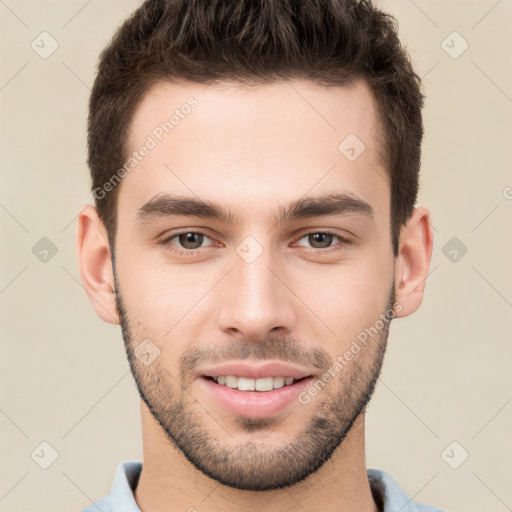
<point>190,240</point>
<point>185,241</point>
<point>323,239</point>
<point>320,240</point>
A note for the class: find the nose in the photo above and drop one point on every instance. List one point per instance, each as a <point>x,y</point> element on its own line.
<point>256,299</point>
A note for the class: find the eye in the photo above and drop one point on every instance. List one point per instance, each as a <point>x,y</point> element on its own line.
<point>323,239</point>
<point>189,243</point>
<point>186,241</point>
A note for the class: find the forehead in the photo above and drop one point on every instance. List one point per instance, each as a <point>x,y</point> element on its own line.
<point>249,146</point>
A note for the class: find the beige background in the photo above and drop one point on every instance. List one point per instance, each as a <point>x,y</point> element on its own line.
<point>64,376</point>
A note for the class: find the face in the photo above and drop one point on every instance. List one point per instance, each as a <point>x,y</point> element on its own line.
<point>232,261</point>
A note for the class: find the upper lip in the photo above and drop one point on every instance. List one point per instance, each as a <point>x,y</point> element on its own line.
<point>255,370</point>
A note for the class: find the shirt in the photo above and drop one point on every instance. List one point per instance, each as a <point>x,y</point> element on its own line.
<point>388,495</point>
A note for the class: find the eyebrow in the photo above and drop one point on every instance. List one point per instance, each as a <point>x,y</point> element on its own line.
<point>165,205</point>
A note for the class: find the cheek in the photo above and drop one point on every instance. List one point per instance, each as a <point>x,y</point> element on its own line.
<point>165,302</point>
<point>349,298</point>
<point>178,302</point>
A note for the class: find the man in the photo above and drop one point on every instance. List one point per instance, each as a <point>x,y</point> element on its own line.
<point>255,169</point>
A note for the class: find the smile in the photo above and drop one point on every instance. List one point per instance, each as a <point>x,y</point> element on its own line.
<point>247,384</point>
<point>249,401</point>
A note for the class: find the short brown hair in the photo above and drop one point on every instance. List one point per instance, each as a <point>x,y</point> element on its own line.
<point>330,42</point>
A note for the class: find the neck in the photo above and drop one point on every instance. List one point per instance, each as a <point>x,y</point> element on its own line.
<point>169,482</point>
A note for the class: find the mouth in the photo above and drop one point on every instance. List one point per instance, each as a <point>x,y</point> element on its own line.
<point>263,384</point>
<point>253,398</point>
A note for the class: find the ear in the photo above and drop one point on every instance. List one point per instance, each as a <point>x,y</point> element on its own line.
<point>94,260</point>
<point>413,261</point>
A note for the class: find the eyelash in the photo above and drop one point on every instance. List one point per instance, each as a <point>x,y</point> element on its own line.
<point>167,241</point>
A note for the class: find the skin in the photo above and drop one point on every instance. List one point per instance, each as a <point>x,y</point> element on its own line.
<point>253,150</point>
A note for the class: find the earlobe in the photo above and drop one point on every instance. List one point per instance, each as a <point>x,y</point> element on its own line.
<point>94,260</point>
<point>413,261</point>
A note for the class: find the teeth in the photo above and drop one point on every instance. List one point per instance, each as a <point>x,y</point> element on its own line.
<point>278,382</point>
<point>266,384</point>
<point>246,384</point>
<point>231,382</point>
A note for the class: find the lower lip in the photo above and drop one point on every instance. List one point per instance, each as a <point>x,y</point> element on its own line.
<point>254,404</point>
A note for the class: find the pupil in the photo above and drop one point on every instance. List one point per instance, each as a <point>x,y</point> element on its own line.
<point>189,238</point>
<point>324,236</point>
